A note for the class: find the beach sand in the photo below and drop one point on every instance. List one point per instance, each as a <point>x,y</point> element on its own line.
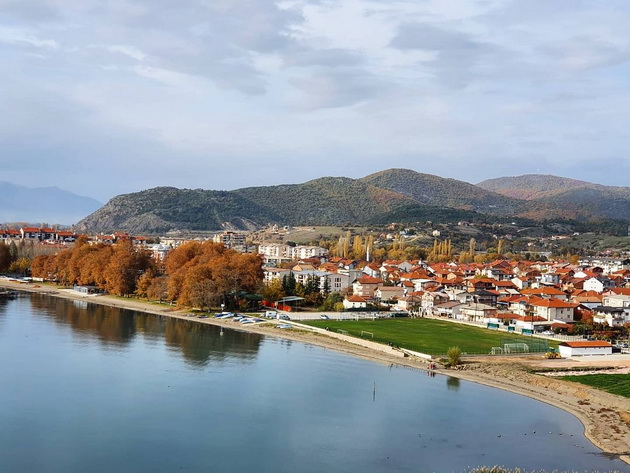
<point>606,417</point>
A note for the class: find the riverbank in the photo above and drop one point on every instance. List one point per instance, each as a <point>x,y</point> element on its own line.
<point>606,418</point>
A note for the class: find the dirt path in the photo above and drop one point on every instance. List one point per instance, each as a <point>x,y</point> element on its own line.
<point>606,417</point>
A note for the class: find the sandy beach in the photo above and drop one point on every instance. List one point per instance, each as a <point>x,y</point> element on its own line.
<point>606,417</point>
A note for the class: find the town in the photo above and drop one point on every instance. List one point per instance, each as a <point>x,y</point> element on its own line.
<point>588,297</point>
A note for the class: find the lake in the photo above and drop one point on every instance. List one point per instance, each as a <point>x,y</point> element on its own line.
<point>88,388</point>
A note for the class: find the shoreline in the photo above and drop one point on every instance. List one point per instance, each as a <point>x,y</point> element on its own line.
<point>605,417</point>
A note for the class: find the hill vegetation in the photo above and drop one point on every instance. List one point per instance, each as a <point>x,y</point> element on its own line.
<point>427,189</point>
<point>563,197</point>
<point>395,195</point>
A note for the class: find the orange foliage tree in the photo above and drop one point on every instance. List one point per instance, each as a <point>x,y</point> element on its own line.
<point>114,268</point>
<point>203,274</point>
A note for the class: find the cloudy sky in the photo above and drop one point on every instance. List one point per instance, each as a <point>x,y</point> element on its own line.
<point>108,97</point>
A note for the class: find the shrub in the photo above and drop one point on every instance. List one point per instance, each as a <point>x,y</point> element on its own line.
<point>454,355</point>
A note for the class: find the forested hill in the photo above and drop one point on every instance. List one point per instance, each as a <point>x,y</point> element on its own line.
<point>563,197</point>
<point>434,190</point>
<point>400,194</point>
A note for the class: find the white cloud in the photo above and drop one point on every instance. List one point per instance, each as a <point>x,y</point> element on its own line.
<point>462,88</point>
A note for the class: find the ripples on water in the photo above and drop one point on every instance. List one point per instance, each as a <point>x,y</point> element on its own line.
<point>100,389</point>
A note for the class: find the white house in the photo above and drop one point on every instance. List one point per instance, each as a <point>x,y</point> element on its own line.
<point>476,312</point>
<point>354,302</point>
<point>366,286</point>
<point>553,309</point>
<point>448,309</point>
<point>616,300</point>
<point>586,347</point>
<point>387,293</point>
<point>612,316</point>
<point>593,284</point>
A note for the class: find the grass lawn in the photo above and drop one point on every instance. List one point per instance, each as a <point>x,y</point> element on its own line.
<point>618,384</point>
<point>430,336</point>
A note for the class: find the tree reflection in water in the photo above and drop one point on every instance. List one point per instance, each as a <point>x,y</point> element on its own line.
<point>199,343</point>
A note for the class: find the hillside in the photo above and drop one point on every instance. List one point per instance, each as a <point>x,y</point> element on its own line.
<point>428,189</point>
<point>392,195</point>
<point>326,201</point>
<point>559,196</point>
<point>163,209</point>
<point>533,186</point>
<point>43,204</point>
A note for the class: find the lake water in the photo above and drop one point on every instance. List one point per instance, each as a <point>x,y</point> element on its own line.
<point>87,388</point>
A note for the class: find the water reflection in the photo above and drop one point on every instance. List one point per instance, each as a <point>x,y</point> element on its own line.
<point>145,404</point>
<point>452,383</point>
<point>199,343</point>
<point>3,308</point>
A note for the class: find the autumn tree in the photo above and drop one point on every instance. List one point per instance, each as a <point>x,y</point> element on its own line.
<point>229,272</point>
<point>157,290</point>
<point>125,267</point>
<point>273,291</point>
<point>21,266</point>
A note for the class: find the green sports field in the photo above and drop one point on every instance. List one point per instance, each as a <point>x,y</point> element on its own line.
<point>618,384</point>
<point>430,336</point>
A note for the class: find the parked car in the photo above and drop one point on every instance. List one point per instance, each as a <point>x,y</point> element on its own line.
<point>284,317</point>
<point>324,317</point>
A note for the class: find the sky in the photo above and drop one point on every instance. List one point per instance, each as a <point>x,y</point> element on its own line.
<point>103,98</point>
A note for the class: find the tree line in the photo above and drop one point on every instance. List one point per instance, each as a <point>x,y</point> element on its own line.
<point>196,274</point>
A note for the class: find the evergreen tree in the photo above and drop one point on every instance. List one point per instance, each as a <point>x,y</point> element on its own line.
<point>326,288</point>
<point>289,284</point>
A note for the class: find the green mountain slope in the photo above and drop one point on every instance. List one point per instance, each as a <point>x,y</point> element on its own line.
<point>392,195</point>
<point>329,200</point>
<point>438,191</point>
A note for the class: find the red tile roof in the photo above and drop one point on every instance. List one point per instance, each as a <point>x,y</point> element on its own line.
<point>552,303</point>
<point>587,344</point>
<point>369,280</point>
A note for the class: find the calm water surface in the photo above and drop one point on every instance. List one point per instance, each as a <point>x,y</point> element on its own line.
<point>85,388</point>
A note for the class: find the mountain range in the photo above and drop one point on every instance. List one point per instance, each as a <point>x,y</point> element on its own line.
<point>391,195</point>
<point>43,204</point>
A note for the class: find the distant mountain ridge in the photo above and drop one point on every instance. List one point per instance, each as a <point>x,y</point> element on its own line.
<point>402,194</point>
<point>43,204</point>
<point>564,196</point>
<point>533,186</point>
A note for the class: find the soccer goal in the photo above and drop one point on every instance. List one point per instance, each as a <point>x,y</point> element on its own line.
<point>365,333</point>
<point>516,348</point>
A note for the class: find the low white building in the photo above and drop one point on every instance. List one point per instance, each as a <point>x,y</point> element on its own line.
<point>448,309</point>
<point>585,348</point>
<point>355,302</point>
